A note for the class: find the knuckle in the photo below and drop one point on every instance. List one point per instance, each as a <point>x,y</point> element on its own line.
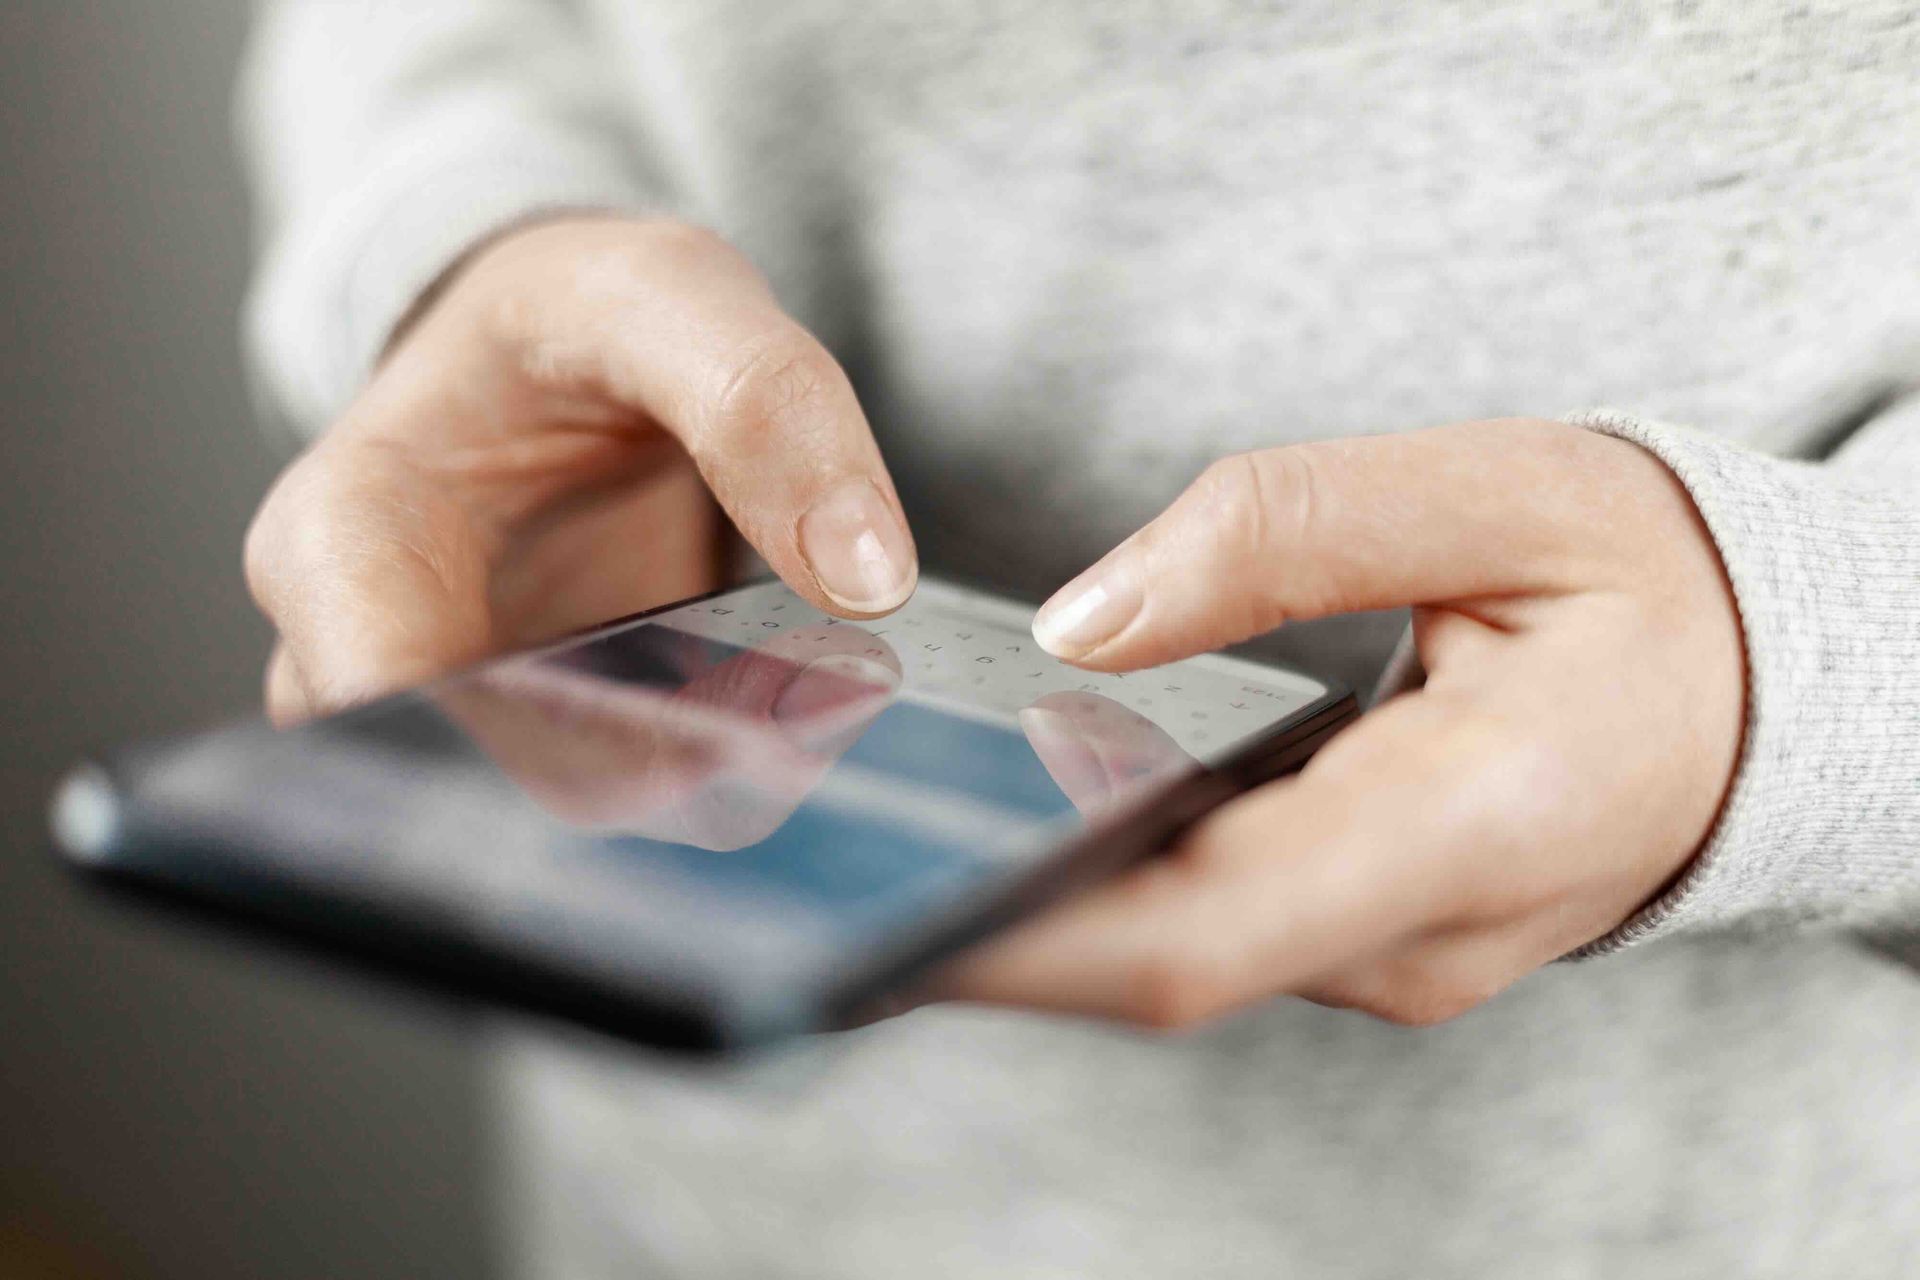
<point>1423,994</point>
<point>1255,505</point>
<point>630,256</point>
<point>285,696</point>
<point>1266,495</point>
<point>1178,984</point>
<point>257,553</point>
<point>1232,490</point>
<point>296,519</point>
<point>265,548</point>
<point>1333,993</point>
<point>578,288</point>
<point>673,238</point>
<point>1419,1009</point>
<point>773,384</point>
<point>554,292</point>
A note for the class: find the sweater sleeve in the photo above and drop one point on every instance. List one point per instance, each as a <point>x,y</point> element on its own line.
<point>1821,826</point>
<point>383,141</point>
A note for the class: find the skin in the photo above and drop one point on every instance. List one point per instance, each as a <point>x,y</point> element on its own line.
<point>554,440</point>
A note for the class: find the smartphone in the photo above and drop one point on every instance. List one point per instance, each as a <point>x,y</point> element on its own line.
<point>714,824</point>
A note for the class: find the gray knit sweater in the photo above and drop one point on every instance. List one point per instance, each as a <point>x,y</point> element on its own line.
<point>1071,252</point>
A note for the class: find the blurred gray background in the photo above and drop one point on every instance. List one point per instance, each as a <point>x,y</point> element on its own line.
<point>170,1104</point>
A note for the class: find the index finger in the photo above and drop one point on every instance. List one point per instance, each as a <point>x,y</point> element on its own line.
<point>1378,522</point>
<point>673,322</point>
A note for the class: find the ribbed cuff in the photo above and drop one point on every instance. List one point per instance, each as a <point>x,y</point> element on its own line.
<point>331,295</point>
<point>1822,822</point>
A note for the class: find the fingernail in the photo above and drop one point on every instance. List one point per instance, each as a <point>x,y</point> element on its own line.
<point>858,549</point>
<point>1087,612</point>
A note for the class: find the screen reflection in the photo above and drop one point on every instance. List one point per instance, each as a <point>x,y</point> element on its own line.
<point>662,734</point>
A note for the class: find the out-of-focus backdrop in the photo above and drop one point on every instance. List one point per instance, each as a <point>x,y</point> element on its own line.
<point>170,1105</point>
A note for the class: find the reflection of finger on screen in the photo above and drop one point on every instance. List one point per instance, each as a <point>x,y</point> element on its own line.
<point>1068,758</point>
<point>752,682</point>
<point>1094,747</point>
<point>598,753</point>
<point>830,703</point>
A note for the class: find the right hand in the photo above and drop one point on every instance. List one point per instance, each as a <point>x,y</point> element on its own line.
<point>543,448</point>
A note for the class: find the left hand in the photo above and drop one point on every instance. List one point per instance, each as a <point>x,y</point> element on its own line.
<point>1575,737</point>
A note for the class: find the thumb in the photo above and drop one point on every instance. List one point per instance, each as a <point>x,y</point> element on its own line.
<point>374,579</point>
<point>1317,529</point>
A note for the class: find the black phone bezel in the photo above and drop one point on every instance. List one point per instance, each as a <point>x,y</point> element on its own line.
<point>399,946</point>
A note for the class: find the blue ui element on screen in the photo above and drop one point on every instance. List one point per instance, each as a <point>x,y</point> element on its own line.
<point>853,866</point>
<point>853,870</point>
<point>982,761</point>
<point>919,744</point>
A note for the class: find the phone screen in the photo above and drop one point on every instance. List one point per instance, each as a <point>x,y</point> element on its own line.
<point>740,780</point>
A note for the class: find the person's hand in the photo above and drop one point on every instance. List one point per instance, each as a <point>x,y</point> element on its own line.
<point>1569,751</point>
<point>537,453</point>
